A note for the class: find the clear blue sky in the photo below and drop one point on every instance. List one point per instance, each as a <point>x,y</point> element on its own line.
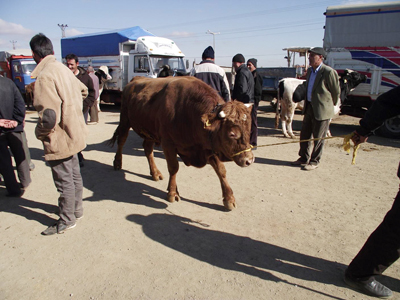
<point>259,28</point>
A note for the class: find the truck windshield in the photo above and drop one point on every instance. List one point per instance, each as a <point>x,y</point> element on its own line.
<point>28,68</point>
<point>175,63</point>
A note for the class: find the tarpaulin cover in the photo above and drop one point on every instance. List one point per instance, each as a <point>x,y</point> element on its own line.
<point>102,43</point>
<point>24,53</point>
<point>363,25</point>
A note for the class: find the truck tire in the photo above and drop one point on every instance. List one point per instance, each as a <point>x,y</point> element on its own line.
<point>390,128</point>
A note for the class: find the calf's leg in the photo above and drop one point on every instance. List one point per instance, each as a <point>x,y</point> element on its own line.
<point>148,150</point>
<point>227,193</point>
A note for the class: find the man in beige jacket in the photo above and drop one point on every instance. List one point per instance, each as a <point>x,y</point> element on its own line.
<point>61,128</point>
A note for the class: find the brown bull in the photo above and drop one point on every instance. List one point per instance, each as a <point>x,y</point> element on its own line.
<point>187,117</point>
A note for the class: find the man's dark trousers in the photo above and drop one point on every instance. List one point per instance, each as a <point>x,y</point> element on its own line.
<point>312,128</point>
<point>382,247</point>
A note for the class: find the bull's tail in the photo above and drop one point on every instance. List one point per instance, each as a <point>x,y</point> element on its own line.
<point>114,138</point>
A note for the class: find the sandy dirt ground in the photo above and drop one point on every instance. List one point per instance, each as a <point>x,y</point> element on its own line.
<point>291,236</point>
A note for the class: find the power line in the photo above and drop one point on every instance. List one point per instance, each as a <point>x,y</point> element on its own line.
<point>223,35</point>
<point>284,9</point>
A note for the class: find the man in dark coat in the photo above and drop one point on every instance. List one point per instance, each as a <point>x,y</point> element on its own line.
<point>243,89</point>
<point>382,248</point>
<point>252,65</point>
<point>12,115</point>
<point>83,76</point>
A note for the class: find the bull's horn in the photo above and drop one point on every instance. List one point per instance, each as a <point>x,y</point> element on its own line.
<point>222,114</point>
<point>248,104</point>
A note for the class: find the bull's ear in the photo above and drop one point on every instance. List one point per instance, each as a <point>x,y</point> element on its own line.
<point>207,120</point>
<point>249,107</point>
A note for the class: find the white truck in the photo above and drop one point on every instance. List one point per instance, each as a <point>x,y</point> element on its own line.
<point>127,53</point>
<point>366,38</point>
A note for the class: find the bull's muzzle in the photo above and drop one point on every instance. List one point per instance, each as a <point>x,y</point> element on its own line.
<point>244,158</point>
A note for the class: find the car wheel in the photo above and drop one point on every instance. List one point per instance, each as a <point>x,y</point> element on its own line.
<point>390,128</point>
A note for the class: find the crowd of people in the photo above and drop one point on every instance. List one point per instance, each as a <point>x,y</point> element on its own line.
<point>64,97</point>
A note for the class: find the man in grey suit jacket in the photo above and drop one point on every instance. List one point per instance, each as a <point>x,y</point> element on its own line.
<point>323,90</point>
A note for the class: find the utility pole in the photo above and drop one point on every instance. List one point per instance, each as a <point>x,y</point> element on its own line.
<point>213,34</point>
<point>62,26</point>
<point>13,42</point>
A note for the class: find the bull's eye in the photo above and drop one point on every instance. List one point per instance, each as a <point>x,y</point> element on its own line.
<point>235,133</point>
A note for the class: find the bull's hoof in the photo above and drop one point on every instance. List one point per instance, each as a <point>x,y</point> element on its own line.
<point>157,176</point>
<point>229,205</point>
<point>286,135</point>
<point>173,197</point>
<point>117,165</point>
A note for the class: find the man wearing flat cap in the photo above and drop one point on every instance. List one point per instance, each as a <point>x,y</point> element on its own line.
<point>243,89</point>
<point>252,65</point>
<point>322,94</point>
<point>212,74</point>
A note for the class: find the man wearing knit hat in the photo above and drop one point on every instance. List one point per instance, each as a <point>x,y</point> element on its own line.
<point>252,65</point>
<point>212,74</point>
<point>243,89</point>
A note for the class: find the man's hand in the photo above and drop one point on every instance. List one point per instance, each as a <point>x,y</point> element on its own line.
<point>358,139</point>
<point>8,123</point>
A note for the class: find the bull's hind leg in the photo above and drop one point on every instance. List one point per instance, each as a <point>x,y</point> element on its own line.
<point>148,150</point>
<point>122,133</point>
<point>173,167</point>
<point>227,193</point>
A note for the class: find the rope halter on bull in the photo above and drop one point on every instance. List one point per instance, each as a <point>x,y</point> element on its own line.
<point>346,139</point>
<point>346,144</point>
<point>243,151</point>
<point>222,115</point>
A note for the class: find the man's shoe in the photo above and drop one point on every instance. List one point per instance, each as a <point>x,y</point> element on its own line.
<point>58,227</point>
<point>309,167</point>
<point>369,286</point>
<point>299,162</point>
<point>79,218</point>
<point>15,195</point>
<point>91,123</point>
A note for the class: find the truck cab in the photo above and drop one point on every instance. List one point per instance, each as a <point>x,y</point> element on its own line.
<point>126,53</point>
<point>151,54</point>
<point>21,69</point>
<point>17,67</point>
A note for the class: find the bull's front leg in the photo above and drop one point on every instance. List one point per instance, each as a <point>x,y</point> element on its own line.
<point>148,150</point>
<point>227,193</point>
<point>173,167</point>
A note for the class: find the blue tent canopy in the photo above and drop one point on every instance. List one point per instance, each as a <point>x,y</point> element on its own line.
<point>102,43</point>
